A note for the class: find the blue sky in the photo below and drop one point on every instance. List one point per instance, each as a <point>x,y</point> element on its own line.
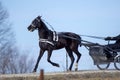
<point>86,17</point>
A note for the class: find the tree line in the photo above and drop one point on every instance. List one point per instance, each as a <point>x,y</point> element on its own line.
<point>11,60</point>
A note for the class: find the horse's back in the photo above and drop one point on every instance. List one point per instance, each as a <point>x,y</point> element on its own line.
<point>70,35</point>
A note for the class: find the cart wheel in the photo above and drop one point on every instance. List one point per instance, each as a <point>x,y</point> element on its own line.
<point>103,66</point>
<point>117,62</point>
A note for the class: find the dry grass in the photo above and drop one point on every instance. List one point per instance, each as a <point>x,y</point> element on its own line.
<point>86,76</point>
<point>82,75</point>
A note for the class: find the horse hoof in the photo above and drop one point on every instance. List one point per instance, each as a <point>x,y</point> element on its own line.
<point>33,71</point>
<point>57,65</point>
<point>68,70</point>
<point>76,69</point>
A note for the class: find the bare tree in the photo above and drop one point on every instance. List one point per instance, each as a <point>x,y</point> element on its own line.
<point>3,14</point>
<point>11,61</point>
<point>5,43</point>
<point>25,64</point>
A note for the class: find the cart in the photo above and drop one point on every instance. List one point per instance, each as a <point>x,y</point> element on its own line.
<point>97,53</point>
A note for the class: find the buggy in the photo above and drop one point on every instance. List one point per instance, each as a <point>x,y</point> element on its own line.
<point>97,52</point>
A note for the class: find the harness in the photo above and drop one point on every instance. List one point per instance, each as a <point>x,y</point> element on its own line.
<point>55,38</point>
<point>47,41</point>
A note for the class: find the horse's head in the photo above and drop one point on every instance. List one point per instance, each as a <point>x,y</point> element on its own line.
<point>35,24</point>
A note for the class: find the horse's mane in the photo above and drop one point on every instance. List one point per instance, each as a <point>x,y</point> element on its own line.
<point>44,25</point>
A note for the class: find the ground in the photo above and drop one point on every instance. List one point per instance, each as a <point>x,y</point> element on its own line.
<point>79,75</point>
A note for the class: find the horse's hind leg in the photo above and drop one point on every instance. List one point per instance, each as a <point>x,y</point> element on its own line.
<point>70,54</point>
<point>48,59</point>
<point>78,58</point>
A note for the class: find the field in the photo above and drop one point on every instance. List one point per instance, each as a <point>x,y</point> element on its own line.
<point>80,75</point>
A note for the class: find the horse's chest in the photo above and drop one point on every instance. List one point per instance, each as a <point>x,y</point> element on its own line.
<point>45,46</point>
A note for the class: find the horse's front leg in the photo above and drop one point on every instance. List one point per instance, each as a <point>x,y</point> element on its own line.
<point>48,59</point>
<point>39,57</point>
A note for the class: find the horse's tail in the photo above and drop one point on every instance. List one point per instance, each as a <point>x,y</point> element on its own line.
<point>80,41</point>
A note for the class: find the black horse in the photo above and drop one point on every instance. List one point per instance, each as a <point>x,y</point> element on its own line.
<point>50,40</point>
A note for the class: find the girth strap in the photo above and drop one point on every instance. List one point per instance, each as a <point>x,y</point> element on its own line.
<point>55,36</point>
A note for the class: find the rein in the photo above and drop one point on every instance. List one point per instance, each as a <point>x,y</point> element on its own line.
<point>93,37</point>
<point>55,36</point>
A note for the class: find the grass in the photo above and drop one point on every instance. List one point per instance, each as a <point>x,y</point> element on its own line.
<point>92,75</point>
<point>87,76</point>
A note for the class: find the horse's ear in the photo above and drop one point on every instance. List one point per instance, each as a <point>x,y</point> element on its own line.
<point>39,17</point>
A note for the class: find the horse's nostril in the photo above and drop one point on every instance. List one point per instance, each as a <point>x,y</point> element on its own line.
<point>31,30</point>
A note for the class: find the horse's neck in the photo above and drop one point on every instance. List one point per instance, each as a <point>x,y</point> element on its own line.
<point>44,33</point>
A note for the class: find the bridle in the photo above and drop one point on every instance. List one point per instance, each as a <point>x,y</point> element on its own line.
<point>34,24</point>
